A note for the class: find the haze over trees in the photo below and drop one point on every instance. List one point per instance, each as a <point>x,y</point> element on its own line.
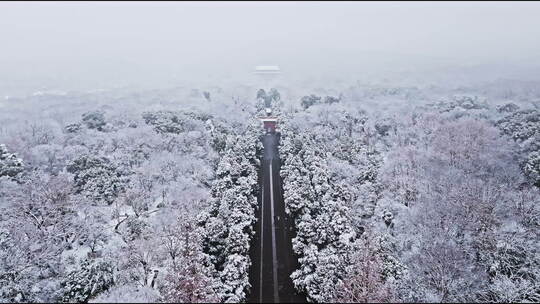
<point>396,194</point>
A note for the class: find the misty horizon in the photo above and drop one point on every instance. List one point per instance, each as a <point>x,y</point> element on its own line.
<point>90,45</point>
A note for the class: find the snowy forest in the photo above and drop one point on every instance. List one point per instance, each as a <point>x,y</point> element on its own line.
<point>246,152</point>
<point>397,193</point>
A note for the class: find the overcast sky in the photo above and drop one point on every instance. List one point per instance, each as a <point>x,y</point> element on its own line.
<point>150,41</point>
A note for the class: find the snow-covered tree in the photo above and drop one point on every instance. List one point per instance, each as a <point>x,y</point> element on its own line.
<point>325,236</point>
<point>94,120</point>
<point>10,164</point>
<point>87,281</point>
<point>229,223</point>
<point>97,178</point>
<point>366,279</point>
<point>37,226</point>
<point>532,167</point>
<point>457,188</point>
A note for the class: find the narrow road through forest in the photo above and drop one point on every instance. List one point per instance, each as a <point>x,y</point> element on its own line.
<point>272,257</point>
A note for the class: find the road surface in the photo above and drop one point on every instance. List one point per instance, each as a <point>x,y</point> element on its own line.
<point>271,252</point>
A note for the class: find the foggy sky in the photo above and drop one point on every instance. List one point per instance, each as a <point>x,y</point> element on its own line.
<point>106,43</point>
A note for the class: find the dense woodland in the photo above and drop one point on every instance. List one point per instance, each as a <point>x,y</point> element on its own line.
<point>398,194</point>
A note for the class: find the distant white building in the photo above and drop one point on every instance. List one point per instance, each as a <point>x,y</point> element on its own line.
<point>267,69</point>
<point>267,75</point>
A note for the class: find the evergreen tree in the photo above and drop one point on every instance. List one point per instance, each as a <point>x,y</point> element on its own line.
<point>10,164</point>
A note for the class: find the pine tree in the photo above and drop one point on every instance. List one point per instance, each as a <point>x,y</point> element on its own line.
<point>229,222</point>
<point>92,278</point>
